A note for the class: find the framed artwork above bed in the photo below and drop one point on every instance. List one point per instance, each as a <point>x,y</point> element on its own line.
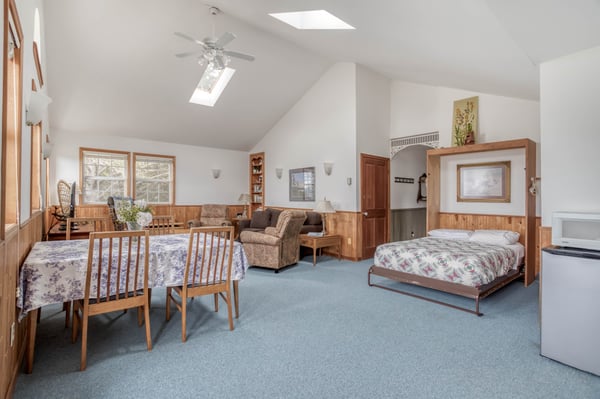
<point>483,182</point>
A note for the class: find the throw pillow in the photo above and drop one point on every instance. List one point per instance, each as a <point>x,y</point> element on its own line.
<point>260,219</point>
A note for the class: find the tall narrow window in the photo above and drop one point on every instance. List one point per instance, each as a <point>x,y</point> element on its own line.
<point>36,167</point>
<point>103,174</point>
<point>12,109</point>
<point>154,178</point>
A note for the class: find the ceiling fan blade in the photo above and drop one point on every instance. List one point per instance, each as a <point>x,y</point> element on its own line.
<point>225,39</point>
<point>239,55</point>
<point>186,37</point>
<point>181,55</point>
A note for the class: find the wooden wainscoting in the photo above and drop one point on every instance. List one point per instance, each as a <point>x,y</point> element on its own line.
<point>13,251</point>
<point>345,224</point>
<point>503,222</point>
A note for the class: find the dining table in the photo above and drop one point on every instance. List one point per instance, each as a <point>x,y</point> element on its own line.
<point>55,272</point>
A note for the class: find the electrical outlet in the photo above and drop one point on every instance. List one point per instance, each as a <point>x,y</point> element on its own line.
<point>349,240</point>
<point>12,333</point>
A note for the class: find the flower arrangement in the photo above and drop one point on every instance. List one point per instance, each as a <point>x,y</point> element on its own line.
<point>139,213</point>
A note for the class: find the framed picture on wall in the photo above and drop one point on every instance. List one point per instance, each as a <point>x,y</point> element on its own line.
<point>483,182</point>
<point>302,184</point>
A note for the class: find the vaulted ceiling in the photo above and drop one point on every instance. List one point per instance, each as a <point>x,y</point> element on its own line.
<point>111,68</point>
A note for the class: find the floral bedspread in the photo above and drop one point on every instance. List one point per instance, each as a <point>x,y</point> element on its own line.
<point>54,271</point>
<point>464,262</point>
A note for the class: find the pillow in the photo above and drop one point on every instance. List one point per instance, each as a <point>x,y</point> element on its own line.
<point>274,216</point>
<point>260,219</point>
<point>498,237</point>
<point>455,234</point>
<point>313,218</point>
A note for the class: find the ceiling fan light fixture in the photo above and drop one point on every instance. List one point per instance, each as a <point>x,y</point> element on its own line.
<point>314,19</point>
<point>211,85</point>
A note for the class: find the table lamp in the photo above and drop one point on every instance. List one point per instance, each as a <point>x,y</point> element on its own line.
<point>245,199</point>
<point>324,207</point>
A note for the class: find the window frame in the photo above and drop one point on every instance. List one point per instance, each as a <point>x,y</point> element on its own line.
<point>127,178</point>
<point>172,181</point>
<point>12,99</point>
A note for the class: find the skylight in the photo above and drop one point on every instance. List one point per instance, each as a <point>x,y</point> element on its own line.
<point>315,19</point>
<point>211,85</point>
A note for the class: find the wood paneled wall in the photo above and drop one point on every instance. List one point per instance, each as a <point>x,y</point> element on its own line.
<point>13,251</point>
<point>502,222</point>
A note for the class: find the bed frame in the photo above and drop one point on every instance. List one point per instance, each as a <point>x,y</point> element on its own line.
<point>445,286</point>
<point>525,225</point>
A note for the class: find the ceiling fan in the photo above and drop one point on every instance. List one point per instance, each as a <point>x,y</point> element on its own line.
<point>213,49</point>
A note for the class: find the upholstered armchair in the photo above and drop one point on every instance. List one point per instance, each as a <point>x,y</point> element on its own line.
<point>277,246</point>
<point>212,215</point>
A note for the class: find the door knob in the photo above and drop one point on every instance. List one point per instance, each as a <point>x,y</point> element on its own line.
<point>366,213</point>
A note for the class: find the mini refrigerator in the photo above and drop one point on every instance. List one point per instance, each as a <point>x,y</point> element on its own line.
<point>570,307</point>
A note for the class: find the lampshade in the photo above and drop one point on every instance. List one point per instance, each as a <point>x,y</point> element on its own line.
<point>324,206</point>
<point>244,198</point>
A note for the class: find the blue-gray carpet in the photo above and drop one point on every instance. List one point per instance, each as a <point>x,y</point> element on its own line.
<point>311,332</point>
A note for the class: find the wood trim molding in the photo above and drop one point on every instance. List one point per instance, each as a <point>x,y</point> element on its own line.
<point>38,65</point>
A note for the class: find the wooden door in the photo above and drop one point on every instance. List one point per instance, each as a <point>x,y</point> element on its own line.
<point>375,202</point>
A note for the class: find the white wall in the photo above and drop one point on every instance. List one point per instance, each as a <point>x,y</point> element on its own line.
<point>372,117</point>
<point>420,109</point>
<point>194,184</point>
<point>410,162</point>
<point>320,127</point>
<point>570,120</point>
<point>26,10</point>
<point>417,109</point>
<point>448,183</point>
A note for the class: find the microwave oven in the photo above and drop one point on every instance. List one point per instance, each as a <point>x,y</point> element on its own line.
<point>576,229</point>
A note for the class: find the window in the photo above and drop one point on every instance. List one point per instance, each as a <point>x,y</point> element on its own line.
<point>154,178</point>
<point>11,132</point>
<point>36,167</point>
<point>103,174</point>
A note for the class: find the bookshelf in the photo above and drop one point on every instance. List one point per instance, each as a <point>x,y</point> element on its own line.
<point>257,181</point>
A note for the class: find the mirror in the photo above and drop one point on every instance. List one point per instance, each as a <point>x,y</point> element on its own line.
<point>422,195</point>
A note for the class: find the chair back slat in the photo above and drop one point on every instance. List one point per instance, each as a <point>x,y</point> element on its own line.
<point>163,224</point>
<point>209,257</point>
<point>117,262</point>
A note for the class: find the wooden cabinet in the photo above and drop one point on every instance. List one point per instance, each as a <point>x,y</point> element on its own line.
<point>257,181</point>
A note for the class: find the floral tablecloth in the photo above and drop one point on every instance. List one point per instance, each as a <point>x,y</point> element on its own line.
<point>54,271</point>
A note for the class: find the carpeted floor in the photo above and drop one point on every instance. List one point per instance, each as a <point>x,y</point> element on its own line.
<point>311,332</point>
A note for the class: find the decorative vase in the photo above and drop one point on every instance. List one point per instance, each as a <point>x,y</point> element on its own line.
<point>133,226</point>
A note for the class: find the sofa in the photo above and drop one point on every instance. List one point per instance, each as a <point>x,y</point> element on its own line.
<point>269,217</point>
<point>278,246</point>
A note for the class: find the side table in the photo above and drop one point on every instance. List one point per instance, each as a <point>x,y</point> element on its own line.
<point>236,226</point>
<point>321,242</point>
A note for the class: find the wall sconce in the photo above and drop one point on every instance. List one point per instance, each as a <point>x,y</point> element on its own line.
<point>216,173</point>
<point>327,167</point>
<point>278,172</point>
<point>349,181</point>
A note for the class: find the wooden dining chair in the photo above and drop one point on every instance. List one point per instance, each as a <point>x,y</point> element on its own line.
<point>117,279</point>
<point>160,225</point>
<point>89,225</point>
<point>207,271</point>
